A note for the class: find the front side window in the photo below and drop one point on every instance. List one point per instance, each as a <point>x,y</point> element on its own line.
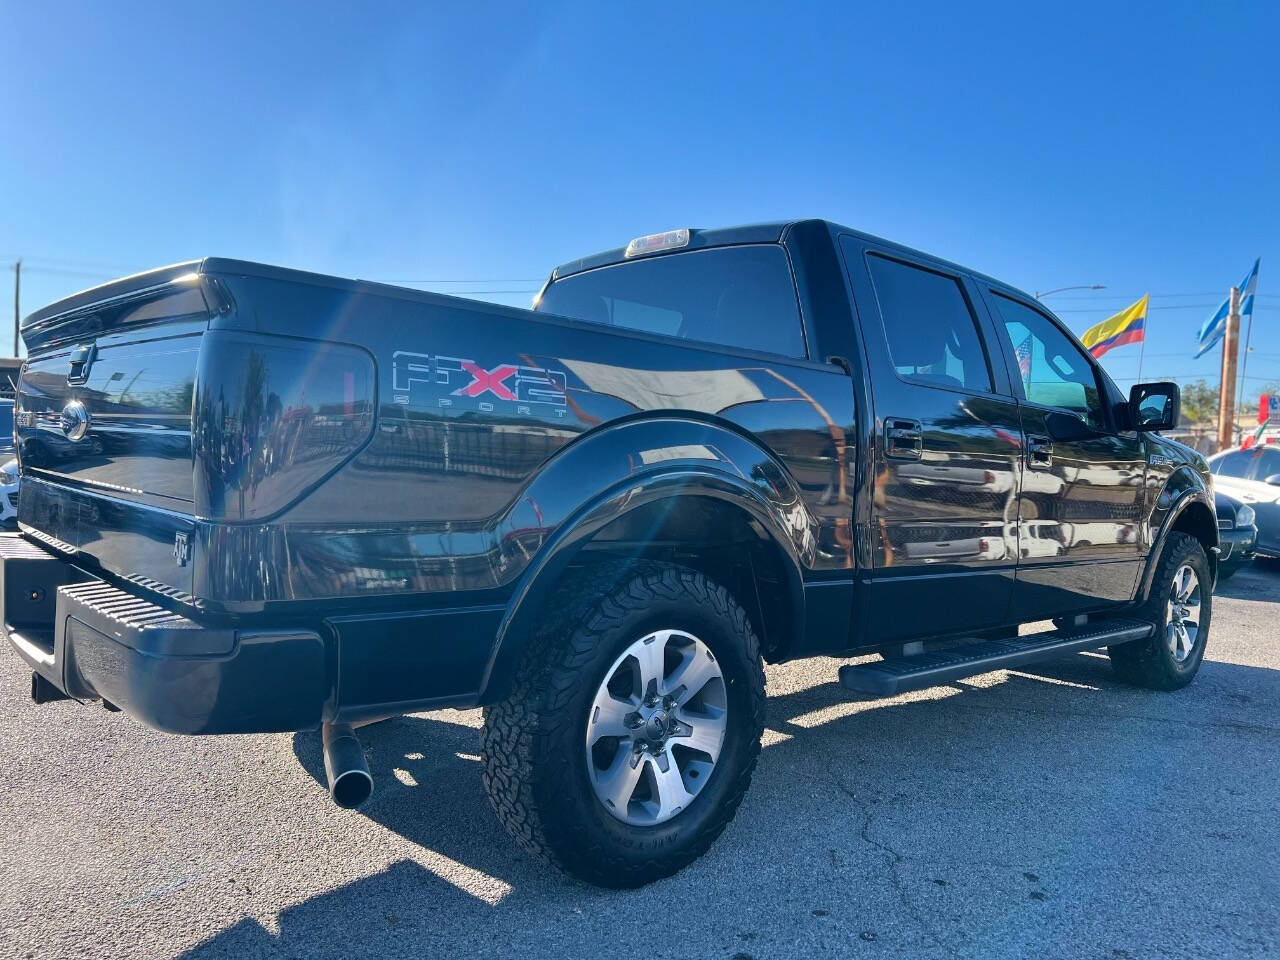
<point>739,296</point>
<point>931,331</point>
<point>1053,370</point>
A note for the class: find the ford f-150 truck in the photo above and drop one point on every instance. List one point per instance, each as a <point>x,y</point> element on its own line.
<point>255,500</point>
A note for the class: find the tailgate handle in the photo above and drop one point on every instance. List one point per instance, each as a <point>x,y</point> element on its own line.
<point>81,360</point>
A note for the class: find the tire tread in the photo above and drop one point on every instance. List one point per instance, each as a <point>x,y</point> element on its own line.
<point>518,729</point>
<point>1144,663</point>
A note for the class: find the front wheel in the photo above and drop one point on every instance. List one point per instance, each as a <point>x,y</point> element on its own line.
<point>1180,608</point>
<point>632,727</point>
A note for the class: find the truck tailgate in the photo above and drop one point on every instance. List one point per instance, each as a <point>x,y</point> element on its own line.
<point>104,420</point>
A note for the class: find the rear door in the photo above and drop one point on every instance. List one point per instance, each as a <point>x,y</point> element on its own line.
<point>1082,502</point>
<point>947,449</point>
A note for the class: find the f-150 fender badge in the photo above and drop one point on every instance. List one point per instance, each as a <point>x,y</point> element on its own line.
<point>1158,460</point>
<point>446,381</point>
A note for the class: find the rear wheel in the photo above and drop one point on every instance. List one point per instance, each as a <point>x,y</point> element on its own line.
<point>1180,608</point>
<point>632,727</point>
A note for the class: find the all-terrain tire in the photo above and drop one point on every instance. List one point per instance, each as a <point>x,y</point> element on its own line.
<point>535,739</point>
<point>1151,663</point>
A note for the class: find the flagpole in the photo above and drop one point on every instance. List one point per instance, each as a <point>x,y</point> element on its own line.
<point>1142,350</point>
<point>1244,364</point>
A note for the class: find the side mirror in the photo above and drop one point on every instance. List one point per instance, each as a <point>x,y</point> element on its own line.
<point>1274,480</point>
<point>1154,406</point>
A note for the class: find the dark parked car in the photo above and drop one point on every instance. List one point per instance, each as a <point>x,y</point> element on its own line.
<point>259,500</point>
<point>1237,535</point>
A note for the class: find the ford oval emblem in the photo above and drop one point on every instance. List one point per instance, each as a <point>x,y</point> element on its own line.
<point>75,420</point>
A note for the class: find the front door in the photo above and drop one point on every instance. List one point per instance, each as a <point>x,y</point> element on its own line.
<point>1081,506</point>
<point>947,450</point>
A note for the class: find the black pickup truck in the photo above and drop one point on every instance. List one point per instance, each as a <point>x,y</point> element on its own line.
<point>256,500</point>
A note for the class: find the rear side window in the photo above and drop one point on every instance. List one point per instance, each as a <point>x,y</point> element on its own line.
<point>1268,464</point>
<point>1235,464</point>
<point>1257,463</point>
<point>737,296</point>
<point>930,329</point>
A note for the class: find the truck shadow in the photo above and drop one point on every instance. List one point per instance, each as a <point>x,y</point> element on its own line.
<point>1259,581</point>
<point>834,763</point>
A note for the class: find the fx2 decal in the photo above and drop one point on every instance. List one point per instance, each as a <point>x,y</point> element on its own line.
<point>445,378</point>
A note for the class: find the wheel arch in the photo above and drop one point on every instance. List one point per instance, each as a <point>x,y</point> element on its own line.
<point>1189,510</point>
<point>724,489</point>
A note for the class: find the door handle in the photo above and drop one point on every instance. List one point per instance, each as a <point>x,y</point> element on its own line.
<point>1039,452</point>
<point>903,439</point>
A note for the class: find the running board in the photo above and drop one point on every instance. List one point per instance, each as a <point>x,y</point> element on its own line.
<point>887,678</point>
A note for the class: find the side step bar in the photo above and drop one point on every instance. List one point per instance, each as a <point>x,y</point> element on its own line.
<point>901,674</point>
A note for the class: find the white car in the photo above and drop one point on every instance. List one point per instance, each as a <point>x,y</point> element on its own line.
<point>1253,475</point>
<point>9,496</point>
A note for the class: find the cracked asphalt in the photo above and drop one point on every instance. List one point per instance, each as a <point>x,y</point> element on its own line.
<point>1048,812</point>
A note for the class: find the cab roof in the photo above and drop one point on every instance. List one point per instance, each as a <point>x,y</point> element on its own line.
<point>771,232</point>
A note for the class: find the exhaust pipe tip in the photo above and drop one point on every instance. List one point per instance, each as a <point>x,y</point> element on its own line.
<point>351,788</point>
<point>350,783</point>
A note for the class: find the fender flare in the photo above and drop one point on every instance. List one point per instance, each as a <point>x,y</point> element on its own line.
<point>1195,493</point>
<point>767,496</point>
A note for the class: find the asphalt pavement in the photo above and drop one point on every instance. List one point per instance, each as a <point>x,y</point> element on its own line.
<point>1046,812</point>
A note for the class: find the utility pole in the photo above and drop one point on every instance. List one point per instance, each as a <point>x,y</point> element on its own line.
<point>17,292</point>
<point>1227,388</point>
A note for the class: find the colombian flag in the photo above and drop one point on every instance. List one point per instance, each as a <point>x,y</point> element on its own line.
<point>1127,326</point>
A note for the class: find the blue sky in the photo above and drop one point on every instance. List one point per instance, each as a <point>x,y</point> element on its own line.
<point>1131,145</point>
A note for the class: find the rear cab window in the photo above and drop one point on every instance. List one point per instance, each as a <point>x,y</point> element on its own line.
<point>738,296</point>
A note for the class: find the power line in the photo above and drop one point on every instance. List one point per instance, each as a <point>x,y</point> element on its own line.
<point>1187,306</point>
<point>63,272</point>
<point>69,262</point>
<point>1158,296</point>
<point>1154,296</point>
<point>1252,353</point>
<point>1171,306</point>
<point>1170,375</point>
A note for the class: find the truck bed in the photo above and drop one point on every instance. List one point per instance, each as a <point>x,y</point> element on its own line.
<point>264,436</point>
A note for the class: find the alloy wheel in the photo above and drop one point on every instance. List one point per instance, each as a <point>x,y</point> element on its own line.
<point>1183,619</point>
<point>656,727</point>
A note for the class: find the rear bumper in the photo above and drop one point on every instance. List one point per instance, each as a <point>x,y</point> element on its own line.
<point>95,641</point>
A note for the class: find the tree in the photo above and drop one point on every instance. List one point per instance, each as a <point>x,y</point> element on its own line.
<point>1199,403</point>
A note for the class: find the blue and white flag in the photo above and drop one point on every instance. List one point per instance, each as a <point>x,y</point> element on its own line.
<point>1213,329</point>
